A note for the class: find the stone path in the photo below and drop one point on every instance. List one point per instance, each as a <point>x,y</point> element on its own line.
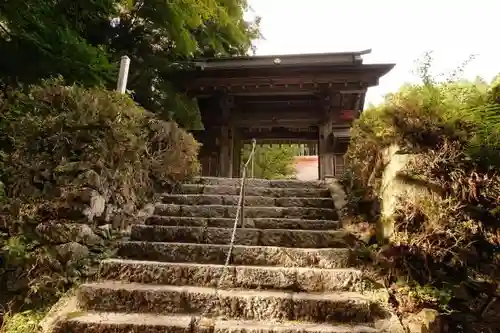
<point>291,268</point>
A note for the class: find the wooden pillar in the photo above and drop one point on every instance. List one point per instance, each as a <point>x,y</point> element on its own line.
<point>326,158</point>
<point>226,104</point>
<point>225,161</point>
<point>311,148</point>
<point>208,154</point>
<point>237,147</point>
<point>325,155</point>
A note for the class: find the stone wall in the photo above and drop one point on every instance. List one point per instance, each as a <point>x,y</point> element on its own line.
<point>397,183</point>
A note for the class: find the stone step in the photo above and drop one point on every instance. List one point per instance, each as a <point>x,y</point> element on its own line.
<point>109,322</point>
<point>254,191</point>
<point>251,182</point>
<point>244,236</point>
<point>231,304</point>
<point>241,255</point>
<point>233,200</point>
<point>250,277</point>
<point>255,212</point>
<point>258,223</point>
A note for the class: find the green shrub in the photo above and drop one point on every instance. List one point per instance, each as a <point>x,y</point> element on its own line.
<point>272,161</point>
<point>421,118</point>
<point>62,131</point>
<point>59,142</point>
<point>23,322</point>
<point>450,243</point>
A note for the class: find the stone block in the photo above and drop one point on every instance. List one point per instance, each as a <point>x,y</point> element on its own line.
<point>242,255</point>
<point>243,236</point>
<point>231,304</point>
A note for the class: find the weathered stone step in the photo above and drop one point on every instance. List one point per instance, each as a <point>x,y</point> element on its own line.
<point>241,255</point>
<point>255,191</point>
<point>237,326</point>
<point>232,304</point>
<point>250,182</point>
<point>115,322</point>
<point>230,211</point>
<point>250,277</point>
<point>243,236</point>
<point>232,200</point>
<point>258,223</point>
<point>112,322</point>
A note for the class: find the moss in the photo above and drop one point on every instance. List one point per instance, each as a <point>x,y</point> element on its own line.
<point>23,322</point>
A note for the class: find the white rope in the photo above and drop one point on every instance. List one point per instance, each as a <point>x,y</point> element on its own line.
<point>238,209</point>
<point>233,236</point>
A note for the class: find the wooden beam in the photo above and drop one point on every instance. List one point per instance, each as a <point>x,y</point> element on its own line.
<point>281,134</point>
<point>284,141</point>
<point>271,123</point>
<point>271,89</point>
<point>251,82</point>
<point>286,118</point>
<point>252,99</point>
<point>278,111</point>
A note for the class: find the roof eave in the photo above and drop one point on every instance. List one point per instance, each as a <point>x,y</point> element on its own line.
<point>285,59</point>
<point>272,56</point>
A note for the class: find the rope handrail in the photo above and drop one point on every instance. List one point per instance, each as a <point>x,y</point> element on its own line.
<point>239,217</point>
<point>241,203</point>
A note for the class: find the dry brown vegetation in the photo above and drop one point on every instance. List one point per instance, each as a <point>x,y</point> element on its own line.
<point>444,252</point>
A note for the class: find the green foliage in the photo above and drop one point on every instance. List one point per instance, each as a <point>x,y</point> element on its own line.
<point>63,131</point>
<point>452,238</point>
<point>176,32</point>
<point>415,297</point>
<point>22,322</point>
<point>422,117</point>
<point>83,41</point>
<point>41,38</point>
<point>272,161</point>
<point>2,191</point>
<point>65,142</point>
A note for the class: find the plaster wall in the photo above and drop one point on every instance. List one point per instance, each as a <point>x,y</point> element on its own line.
<point>306,167</point>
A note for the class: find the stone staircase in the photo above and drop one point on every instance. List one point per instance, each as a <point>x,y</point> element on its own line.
<point>291,268</point>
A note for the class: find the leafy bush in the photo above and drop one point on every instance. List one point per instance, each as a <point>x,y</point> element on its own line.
<point>63,144</point>
<point>63,131</point>
<point>450,243</point>
<point>272,161</point>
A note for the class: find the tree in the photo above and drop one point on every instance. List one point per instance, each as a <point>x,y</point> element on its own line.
<point>162,36</point>
<point>40,38</point>
<point>83,40</point>
<point>273,161</point>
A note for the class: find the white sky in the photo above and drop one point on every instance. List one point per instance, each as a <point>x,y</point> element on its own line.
<point>396,31</point>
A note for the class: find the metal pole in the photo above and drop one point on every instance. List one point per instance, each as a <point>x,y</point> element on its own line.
<point>123,75</point>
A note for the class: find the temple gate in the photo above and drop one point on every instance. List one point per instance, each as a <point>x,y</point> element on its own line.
<point>308,99</point>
